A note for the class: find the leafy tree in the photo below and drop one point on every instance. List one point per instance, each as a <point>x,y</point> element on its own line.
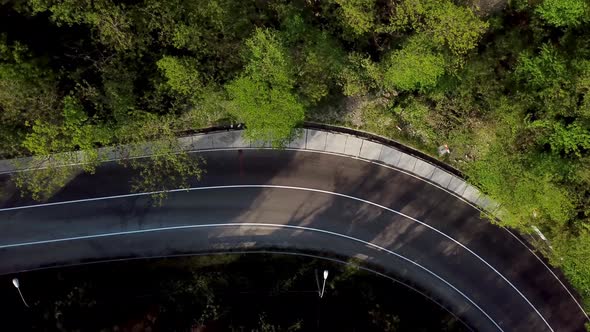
<point>75,131</point>
<point>28,91</point>
<point>564,13</point>
<point>358,15</point>
<point>543,70</point>
<point>111,21</point>
<point>453,26</point>
<point>211,31</point>
<point>571,254</point>
<point>546,81</point>
<point>359,75</point>
<point>151,148</point>
<point>270,114</point>
<point>448,25</point>
<point>268,60</point>
<point>414,67</point>
<point>262,96</point>
<point>407,15</point>
<point>54,147</point>
<point>181,75</point>
<point>569,140</point>
<point>523,188</point>
<point>415,115</point>
<point>317,57</point>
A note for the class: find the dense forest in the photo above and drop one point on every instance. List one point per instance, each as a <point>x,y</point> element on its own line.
<point>504,84</point>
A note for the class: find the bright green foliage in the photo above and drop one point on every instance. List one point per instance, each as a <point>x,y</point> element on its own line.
<point>571,254</point>
<point>523,189</point>
<point>268,60</point>
<point>211,106</point>
<point>408,14</point>
<point>358,75</point>
<point>270,114</point>
<point>414,67</point>
<point>547,81</point>
<point>262,96</point>
<point>570,139</point>
<point>415,116</point>
<point>546,69</point>
<point>75,132</point>
<point>181,74</point>
<point>359,15</point>
<point>54,145</point>
<point>563,13</point>
<point>447,25</point>
<point>454,26</point>
<point>527,184</point>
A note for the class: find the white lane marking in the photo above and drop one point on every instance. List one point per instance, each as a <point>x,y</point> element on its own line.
<point>423,180</point>
<point>302,189</point>
<point>367,161</point>
<point>304,228</point>
<point>551,271</point>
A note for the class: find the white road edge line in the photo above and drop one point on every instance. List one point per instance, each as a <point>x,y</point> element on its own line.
<point>551,271</point>
<point>365,160</point>
<point>304,228</point>
<point>423,180</point>
<point>302,189</point>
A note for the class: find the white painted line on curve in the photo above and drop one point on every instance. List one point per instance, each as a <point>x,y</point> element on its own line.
<point>304,228</point>
<point>302,189</point>
<point>551,271</point>
<point>357,158</point>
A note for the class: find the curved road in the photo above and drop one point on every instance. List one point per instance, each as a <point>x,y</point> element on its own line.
<point>253,199</point>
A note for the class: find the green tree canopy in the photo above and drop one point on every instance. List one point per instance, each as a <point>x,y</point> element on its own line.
<point>454,26</point>
<point>414,67</point>
<point>270,114</point>
<point>563,13</point>
<point>358,15</point>
<point>181,75</point>
<point>112,21</point>
<point>262,96</point>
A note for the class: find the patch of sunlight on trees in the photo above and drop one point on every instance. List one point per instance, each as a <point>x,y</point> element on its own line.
<point>414,67</point>
<point>262,96</point>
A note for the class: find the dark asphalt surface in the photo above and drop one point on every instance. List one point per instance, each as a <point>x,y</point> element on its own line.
<point>319,222</point>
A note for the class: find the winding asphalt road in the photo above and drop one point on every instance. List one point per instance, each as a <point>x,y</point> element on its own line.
<point>300,201</point>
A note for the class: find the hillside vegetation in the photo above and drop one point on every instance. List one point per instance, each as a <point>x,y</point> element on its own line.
<point>507,91</point>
